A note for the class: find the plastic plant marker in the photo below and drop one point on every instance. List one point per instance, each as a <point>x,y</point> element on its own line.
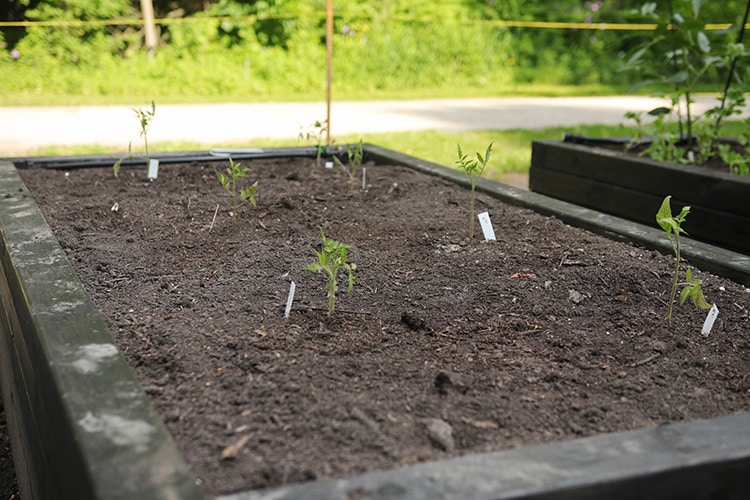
<point>329,164</point>
<point>153,169</point>
<point>290,299</point>
<point>486,223</point>
<point>709,323</point>
<point>214,219</point>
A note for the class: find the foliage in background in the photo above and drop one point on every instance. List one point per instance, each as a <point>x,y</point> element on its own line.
<point>679,56</point>
<point>316,131</point>
<point>354,156</point>
<point>144,122</point>
<point>276,48</point>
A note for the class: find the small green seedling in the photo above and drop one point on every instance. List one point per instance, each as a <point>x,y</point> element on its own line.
<point>331,258</point>
<point>474,167</point>
<point>316,131</point>
<point>672,225</point>
<point>118,163</point>
<point>228,181</point>
<point>354,155</point>
<point>144,120</point>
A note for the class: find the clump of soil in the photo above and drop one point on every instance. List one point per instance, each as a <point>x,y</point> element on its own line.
<point>444,347</point>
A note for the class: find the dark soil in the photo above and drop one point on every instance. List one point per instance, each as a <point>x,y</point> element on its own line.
<point>444,346</point>
<point>8,483</point>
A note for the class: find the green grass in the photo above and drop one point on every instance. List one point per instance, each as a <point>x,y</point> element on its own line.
<point>531,90</point>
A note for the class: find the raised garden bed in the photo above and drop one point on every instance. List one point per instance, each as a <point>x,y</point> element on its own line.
<point>549,333</point>
<point>628,186</point>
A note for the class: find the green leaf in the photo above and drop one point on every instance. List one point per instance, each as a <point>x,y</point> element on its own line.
<point>116,167</point>
<point>489,152</point>
<point>661,110</point>
<point>316,268</point>
<point>248,194</point>
<point>699,300</point>
<point>351,279</point>
<point>685,293</point>
<point>697,4</point>
<point>664,215</point>
<point>703,43</point>
<point>648,8</point>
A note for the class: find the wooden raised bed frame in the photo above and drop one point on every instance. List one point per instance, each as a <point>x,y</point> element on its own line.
<point>633,188</point>
<point>83,428</point>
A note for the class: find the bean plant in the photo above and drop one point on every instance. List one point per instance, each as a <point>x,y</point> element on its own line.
<point>332,258</point>
<point>474,167</point>
<point>691,287</point>
<point>229,180</point>
<point>144,121</point>
<point>354,156</point>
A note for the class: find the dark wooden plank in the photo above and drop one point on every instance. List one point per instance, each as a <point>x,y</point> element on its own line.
<point>694,185</point>
<point>725,229</point>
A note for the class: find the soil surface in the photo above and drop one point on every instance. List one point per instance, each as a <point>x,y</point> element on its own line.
<point>8,483</point>
<point>444,346</point>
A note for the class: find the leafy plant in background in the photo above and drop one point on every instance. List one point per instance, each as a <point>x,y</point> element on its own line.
<point>689,58</point>
<point>474,167</point>
<point>739,163</point>
<point>144,121</point>
<point>354,157</point>
<point>738,158</point>
<point>662,141</point>
<point>691,287</point>
<point>315,132</point>
<point>228,180</point>
<point>332,258</point>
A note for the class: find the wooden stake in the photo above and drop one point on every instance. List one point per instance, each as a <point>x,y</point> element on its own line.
<point>329,68</point>
<point>149,27</point>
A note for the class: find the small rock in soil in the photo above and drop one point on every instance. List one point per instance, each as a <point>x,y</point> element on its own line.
<point>575,296</point>
<point>440,433</point>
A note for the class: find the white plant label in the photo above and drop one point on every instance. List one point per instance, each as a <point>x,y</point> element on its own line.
<point>290,299</point>
<point>153,169</point>
<point>484,220</point>
<point>329,164</point>
<point>709,323</point>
